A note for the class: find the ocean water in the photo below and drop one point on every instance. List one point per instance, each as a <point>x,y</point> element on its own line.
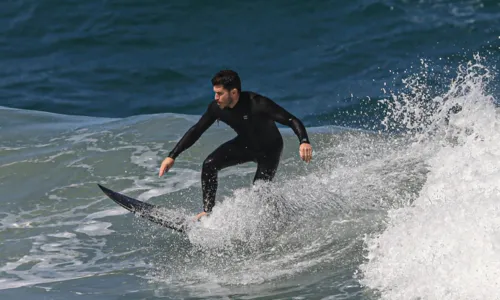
<point>401,199</point>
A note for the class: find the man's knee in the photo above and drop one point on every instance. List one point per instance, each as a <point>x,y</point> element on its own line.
<point>210,164</point>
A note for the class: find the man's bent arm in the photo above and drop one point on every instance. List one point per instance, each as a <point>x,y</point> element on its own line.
<point>194,133</point>
<point>280,115</point>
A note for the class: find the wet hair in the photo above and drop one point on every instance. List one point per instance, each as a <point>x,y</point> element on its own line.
<point>229,80</point>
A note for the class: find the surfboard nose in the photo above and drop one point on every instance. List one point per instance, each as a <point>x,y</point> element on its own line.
<point>105,189</point>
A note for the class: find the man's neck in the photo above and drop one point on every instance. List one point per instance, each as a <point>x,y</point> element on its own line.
<point>235,101</point>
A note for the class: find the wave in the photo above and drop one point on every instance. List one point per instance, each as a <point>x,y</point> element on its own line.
<point>395,195</point>
<point>443,245</point>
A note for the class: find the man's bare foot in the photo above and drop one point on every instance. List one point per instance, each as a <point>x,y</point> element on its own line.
<point>198,216</point>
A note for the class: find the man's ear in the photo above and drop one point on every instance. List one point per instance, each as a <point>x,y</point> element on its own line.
<point>234,91</point>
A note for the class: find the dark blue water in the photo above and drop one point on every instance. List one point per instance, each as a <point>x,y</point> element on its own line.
<point>318,59</point>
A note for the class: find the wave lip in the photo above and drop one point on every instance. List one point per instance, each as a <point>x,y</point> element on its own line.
<point>445,245</point>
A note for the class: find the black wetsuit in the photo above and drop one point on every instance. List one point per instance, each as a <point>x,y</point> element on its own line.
<point>258,139</point>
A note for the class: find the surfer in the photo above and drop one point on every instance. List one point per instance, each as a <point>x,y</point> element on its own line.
<point>258,139</point>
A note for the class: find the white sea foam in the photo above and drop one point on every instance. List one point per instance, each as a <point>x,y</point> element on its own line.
<point>445,245</point>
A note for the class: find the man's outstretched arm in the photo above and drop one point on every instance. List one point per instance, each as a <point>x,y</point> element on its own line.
<point>189,138</point>
<point>282,116</point>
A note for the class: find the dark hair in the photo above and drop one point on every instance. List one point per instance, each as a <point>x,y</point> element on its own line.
<point>229,79</point>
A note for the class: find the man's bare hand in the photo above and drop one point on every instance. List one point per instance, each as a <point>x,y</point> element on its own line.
<point>166,165</point>
<point>305,151</point>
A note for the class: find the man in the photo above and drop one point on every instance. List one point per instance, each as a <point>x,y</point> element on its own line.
<point>253,118</point>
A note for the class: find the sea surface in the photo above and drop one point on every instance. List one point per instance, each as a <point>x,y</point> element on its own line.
<point>400,100</point>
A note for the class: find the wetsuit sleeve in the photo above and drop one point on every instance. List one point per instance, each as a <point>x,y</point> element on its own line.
<point>194,133</point>
<point>280,115</point>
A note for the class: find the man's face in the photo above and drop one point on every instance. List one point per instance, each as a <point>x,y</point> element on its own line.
<point>223,97</point>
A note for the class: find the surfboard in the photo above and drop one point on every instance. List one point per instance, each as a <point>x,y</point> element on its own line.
<point>147,211</point>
